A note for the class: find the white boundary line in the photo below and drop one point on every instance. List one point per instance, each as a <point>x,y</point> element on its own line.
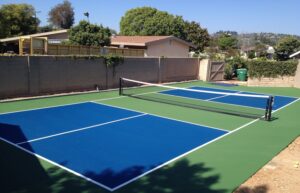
<point>174,159</point>
<point>286,105</point>
<point>212,101</point>
<point>57,164</point>
<point>83,176</point>
<point>152,114</point>
<point>248,91</point>
<point>82,92</point>
<point>80,129</point>
<point>117,97</point>
<point>219,97</point>
<point>40,108</point>
<point>197,148</point>
<point>110,189</point>
<point>54,106</point>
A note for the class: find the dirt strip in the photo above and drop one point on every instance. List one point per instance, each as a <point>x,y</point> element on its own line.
<point>280,175</point>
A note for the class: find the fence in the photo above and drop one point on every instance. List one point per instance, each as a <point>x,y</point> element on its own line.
<point>59,49</point>
<point>72,50</point>
<point>38,75</point>
<point>124,51</point>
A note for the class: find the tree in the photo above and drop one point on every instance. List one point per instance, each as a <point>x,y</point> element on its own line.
<point>89,34</point>
<point>285,47</point>
<point>221,32</point>
<point>261,50</point>
<point>113,32</point>
<point>46,28</point>
<point>150,21</point>
<point>251,54</point>
<point>227,42</point>
<point>62,15</point>
<point>134,20</point>
<point>17,19</point>
<point>198,36</point>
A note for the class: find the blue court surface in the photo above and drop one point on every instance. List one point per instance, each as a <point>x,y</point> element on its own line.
<point>108,146</point>
<point>259,103</point>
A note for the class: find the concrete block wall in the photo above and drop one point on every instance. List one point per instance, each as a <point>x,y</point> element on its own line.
<point>14,76</point>
<point>287,81</point>
<point>39,75</point>
<point>178,69</point>
<point>143,69</point>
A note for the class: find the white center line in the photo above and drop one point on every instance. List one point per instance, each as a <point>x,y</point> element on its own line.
<point>81,129</point>
<point>220,96</point>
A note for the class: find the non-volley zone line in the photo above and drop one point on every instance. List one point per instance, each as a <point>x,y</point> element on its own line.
<point>81,129</point>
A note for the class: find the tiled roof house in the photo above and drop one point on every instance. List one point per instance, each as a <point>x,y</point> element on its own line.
<point>155,46</point>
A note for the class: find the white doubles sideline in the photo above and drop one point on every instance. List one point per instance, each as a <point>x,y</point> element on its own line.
<point>197,148</point>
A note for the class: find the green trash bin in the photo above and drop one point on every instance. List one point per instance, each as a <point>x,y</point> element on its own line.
<point>242,74</point>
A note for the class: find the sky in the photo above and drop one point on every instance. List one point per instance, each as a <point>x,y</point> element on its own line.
<point>243,16</point>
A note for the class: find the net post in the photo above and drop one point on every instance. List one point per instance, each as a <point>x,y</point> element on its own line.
<point>268,114</point>
<point>120,86</point>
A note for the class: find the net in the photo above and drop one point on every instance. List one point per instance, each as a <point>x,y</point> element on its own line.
<point>225,101</point>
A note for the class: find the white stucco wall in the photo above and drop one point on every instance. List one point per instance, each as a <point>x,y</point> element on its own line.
<point>167,48</point>
<point>204,69</point>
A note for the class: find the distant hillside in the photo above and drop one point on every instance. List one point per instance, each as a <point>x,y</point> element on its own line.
<point>250,39</point>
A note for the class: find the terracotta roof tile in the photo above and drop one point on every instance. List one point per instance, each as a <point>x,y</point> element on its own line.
<point>136,39</point>
<point>143,40</point>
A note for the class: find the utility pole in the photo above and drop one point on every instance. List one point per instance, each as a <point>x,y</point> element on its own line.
<point>87,15</point>
<point>36,28</point>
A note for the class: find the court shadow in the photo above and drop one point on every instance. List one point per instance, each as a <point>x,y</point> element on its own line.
<point>112,178</point>
<point>30,177</point>
<point>256,189</point>
<point>19,171</point>
<point>181,177</point>
<point>22,172</point>
<point>274,118</point>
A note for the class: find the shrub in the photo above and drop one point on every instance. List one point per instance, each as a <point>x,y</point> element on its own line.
<point>232,65</point>
<point>251,54</point>
<point>228,72</point>
<point>264,68</point>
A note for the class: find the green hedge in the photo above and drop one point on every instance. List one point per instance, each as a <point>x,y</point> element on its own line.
<point>272,69</point>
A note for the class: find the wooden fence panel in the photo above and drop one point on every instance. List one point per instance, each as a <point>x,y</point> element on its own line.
<point>92,50</point>
<point>217,71</point>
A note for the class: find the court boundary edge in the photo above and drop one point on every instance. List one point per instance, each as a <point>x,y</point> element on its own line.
<point>196,148</point>
<point>158,167</point>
